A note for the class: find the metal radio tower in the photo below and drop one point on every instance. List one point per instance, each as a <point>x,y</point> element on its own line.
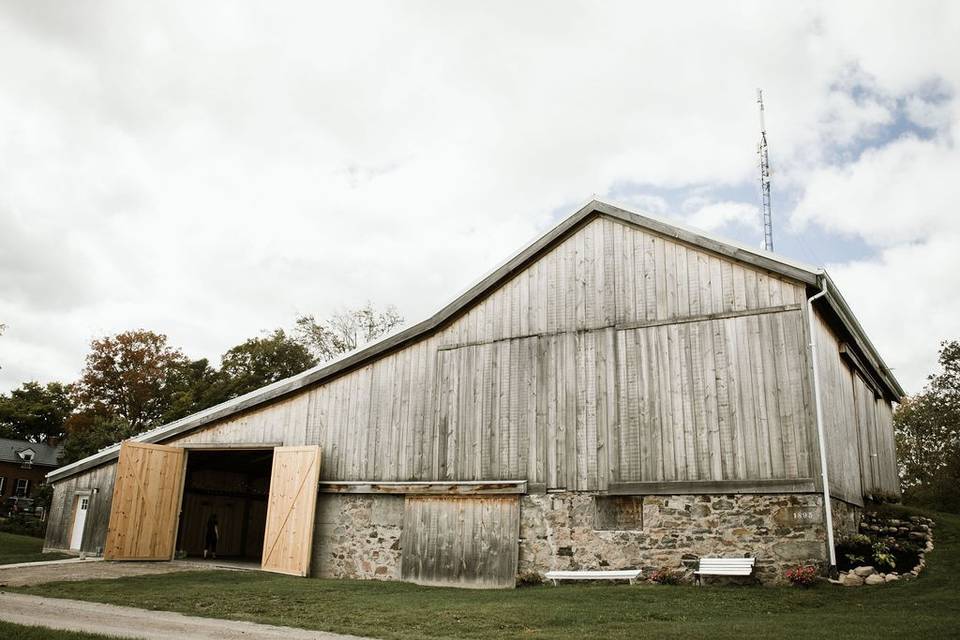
<point>765,179</point>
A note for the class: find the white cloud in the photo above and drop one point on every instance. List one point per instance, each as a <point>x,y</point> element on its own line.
<point>906,299</point>
<point>715,215</point>
<point>207,169</point>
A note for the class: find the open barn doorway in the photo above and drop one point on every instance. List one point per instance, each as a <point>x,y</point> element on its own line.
<point>230,488</point>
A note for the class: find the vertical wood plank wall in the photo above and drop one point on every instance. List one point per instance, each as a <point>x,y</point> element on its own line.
<point>858,426</point>
<point>146,502</point>
<point>60,518</point>
<point>618,355</point>
<point>451,541</point>
<point>574,375</point>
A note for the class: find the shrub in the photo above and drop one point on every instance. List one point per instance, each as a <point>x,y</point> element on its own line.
<point>667,575</point>
<point>802,575</point>
<point>529,579</point>
<point>883,497</point>
<point>853,551</point>
<point>906,554</point>
<point>883,559</point>
<point>24,525</point>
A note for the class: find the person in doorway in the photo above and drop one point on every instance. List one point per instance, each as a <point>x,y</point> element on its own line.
<point>213,535</point>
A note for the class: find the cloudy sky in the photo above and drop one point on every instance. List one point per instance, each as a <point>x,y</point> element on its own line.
<point>210,169</point>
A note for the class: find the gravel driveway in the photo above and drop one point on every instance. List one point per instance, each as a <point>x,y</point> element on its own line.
<point>73,570</point>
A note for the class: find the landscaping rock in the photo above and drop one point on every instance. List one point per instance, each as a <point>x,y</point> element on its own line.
<point>874,579</point>
<point>891,577</point>
<point>863,572</point>
<point>851,580</point>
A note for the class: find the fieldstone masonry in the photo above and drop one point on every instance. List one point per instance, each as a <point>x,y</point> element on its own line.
<point>358,536</point>
<point>558,531</point>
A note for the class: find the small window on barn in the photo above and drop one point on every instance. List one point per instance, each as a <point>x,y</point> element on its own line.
<point>618,513</point>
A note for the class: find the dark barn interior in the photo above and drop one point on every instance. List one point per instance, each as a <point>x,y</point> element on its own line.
<point>233,486</point>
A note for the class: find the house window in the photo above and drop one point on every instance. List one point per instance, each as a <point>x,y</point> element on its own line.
<point>22,485</point>
<point>27,457</point>
<point>3,484</point>
<point>618,513</point>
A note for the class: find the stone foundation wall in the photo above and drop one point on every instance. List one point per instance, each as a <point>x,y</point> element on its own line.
<point>358,536</point>
<point>558,531</point>
<point>846,518</point>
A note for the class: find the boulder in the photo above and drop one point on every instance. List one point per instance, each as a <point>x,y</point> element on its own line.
<point>850,580</point>
<point>863,572</point>
<point>874,579</point>
<point>891,577</point>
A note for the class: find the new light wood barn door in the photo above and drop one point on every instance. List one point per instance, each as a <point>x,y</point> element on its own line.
<point>291,509</point>
<point>461,541</point>
<point>146,501</point>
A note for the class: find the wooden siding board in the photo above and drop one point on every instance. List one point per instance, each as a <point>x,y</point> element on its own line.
<point>546,379</point>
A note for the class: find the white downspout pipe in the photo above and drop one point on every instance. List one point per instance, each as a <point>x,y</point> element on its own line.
<point>827,506</point>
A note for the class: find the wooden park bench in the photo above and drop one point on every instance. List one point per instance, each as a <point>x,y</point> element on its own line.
<point>629,574</point>
<point>724,567</point>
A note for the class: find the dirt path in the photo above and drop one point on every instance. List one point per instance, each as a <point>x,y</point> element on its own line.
<point>72,570</point>
<point>128,622</point>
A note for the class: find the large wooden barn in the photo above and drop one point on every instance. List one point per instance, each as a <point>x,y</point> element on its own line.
<point>623,393</point>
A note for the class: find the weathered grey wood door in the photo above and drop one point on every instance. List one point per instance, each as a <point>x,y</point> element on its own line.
<point>461,541</point>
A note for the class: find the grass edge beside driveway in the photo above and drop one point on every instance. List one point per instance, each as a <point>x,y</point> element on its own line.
<point>927,607</point>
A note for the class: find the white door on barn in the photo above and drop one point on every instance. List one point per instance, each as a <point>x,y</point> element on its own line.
<point>291,509</point>
<point>79,520</point>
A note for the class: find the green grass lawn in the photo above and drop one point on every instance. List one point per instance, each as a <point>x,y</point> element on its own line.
<point>927,607</point>
<point>19,632</point>
<point>14,548</point>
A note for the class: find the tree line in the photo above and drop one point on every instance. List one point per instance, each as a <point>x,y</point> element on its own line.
<point>137,380</point>
<point>928,437</point>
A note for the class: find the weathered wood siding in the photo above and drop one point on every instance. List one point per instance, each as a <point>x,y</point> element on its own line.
<point>858,425</point>
<point>60,519</point>
<point>542,380</point>
<point>878,472</point>
<point>461,541</point>
<point>616,356</point>
<point>886,459</point>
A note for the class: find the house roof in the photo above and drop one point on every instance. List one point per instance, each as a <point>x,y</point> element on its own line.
<point>766,260</point>
<point>43,454</point>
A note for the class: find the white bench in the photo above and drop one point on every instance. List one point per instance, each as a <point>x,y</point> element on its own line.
<point>724,567</point>
<point>629,574</point>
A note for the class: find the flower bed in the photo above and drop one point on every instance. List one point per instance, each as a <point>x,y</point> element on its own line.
<point>889,547</point>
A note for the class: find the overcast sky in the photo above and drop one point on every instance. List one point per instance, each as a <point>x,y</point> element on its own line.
<point>211,169</point>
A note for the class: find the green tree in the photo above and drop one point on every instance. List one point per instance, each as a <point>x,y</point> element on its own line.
<point>928,436</point>
<point>259,362</point>
<point>89,431</point>
<point>345,331</point>
<point>35,412</point>
<point>197,387</point>
<point>132,376</point>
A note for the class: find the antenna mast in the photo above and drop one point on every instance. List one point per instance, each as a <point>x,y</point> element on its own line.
<point>765,179</point>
